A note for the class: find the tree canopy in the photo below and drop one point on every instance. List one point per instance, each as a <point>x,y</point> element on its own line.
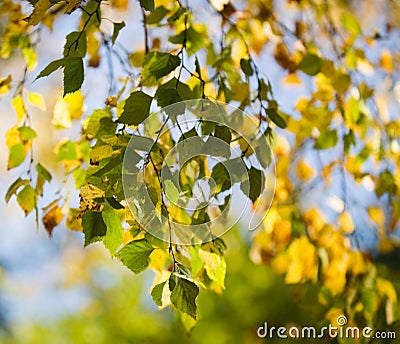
<point>175,115</point>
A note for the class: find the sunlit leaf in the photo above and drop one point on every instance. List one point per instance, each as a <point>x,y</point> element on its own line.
<point>27,199</point>
<point>136,108</point>
<point>136,255</point>
<point>37,100</point>
<point>27,133</point>
<point>38,12</point>
<point>16,155</point>
<point>12,190</point>
<point>157,292</point>
<point>94,227</point>
<point>183,296</point>
<point>52,218</point>
<point>115,233</point>
<point>327,139</point>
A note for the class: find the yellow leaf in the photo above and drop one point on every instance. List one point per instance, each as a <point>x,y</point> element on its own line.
<point>335,274</point>
<point>333,314</point>
<point>120,4</point>
<point>61,117</point>
<point>284,58</point>
<point>345,222</point>
<point>5,84</point>
<point>386,245</point>
<point>13,136</point>
<point>27,199</point>
<point>258,36</point>
<point>75,102</point>
<point>282,233</point>
<point>73,221</point>
<point>39,11</point>
<point>99,153</point>
<point>215,266</point>
<point>376,214</point>
<point>385,287</point>
<point>281,263</point>
<point>52,218</point>
<point>37,100</point>
<point>239,51</point>
<point>386,61</point>
<point>158,260</point>
<point>293,79</point>
<point>304,171</point>
<point>314,221</point>
<point>72,6</point>
<point>19,107</point>
<point>30,56</point>
<point>241,91</point>
<point>87,195</point>
<point>303,262</point>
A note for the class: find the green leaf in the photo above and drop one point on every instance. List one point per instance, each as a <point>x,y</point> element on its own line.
<point>67,151</point>
<point>176,15</point>
<point>12,190</point>
<point>168,96</point>
<point>114,203</point>
<point>275,117</point>
<point>136,108</point>
<point>73,74</point>
<point>93,123</point>
<point>221,177</point>
<point>193,39</point>
<point>117,28</point>
<point>256,184</point>
<point>148,5</point>
<point>16,156</point>
<point>50,68</point>
<point>327,139</point>
<point>114,162</point>
<point>348,141</point>
<point>27,199</point>
<point>246,67</point>
<point>171,191</point>
<point>136,255</point>
<point>158,14</point>
<point>43,171</point>
<point>157,292</point>
<point>351,23</point>
<point>94,227</point>
<point>385,184</point>
<point>115,233</point>
<point>42,177</point>
<point>222,132</point>
<point>183,296</point>
<point>27,133</point>
<point>75,45</point>
<point>173,92</point>
<point>311,64</point>
<point>158,64</point>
